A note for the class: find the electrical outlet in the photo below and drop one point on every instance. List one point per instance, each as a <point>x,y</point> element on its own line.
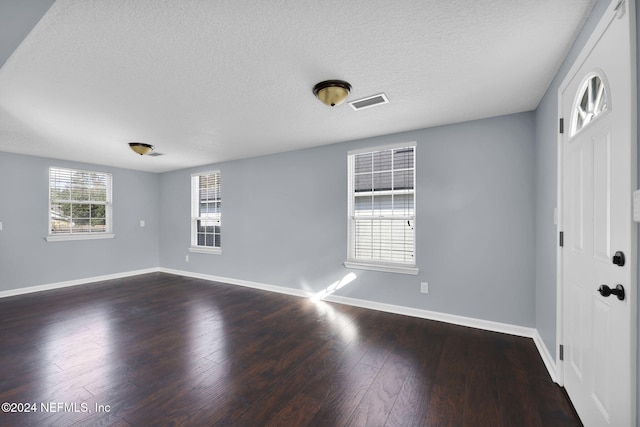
<point>424,287</point>
<point>186,258</point>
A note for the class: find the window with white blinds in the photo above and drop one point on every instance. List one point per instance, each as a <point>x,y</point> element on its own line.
<point>206,212</point>
<point>79,203</point>
<point>382,209</point>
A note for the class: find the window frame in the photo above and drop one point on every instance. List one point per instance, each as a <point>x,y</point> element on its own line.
<point>108,203</point>
<point>195,211</point>
<point>377,265</point>
<point>584,87</point>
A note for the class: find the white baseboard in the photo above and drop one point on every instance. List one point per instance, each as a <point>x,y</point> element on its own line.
<point>231,281</point>
<point>486,325</point>
<point>372,305</point>
<point>58,285</point>
<point>547,358</point>
<point>389,308</point>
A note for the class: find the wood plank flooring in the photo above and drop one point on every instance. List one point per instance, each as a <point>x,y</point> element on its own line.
<point>159,349</point>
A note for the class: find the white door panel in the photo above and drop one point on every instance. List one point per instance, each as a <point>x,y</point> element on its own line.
<point>602,196</point>
<point>598,174</point>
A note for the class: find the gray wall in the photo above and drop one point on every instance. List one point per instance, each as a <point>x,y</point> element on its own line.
<point>26,259</point>
<point>284,221</point>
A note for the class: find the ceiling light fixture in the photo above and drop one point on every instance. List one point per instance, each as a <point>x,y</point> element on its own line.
<point>332,92</point>
<point>141,148</point>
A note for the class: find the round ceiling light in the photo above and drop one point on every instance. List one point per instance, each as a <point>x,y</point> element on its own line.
<point>332,92</point>
<point>141,148</point>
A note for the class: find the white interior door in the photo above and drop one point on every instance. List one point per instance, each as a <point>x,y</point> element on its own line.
<point>598,176</point>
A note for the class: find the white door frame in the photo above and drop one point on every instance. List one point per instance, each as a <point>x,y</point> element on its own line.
<point>633,256</point>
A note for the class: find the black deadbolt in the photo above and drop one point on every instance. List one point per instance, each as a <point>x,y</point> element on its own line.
<point>605,291</point>
<point>618,259</point>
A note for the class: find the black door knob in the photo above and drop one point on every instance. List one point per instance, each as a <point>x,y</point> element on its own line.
<point>605,291</point>
<point>618,259</point>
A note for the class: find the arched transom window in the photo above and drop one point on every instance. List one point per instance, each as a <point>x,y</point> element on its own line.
<point>591,102</point>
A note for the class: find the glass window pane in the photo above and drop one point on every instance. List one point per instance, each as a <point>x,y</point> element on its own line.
<point>363,162</point>
<point>98,211</point>
<point>382,181</point>
<point>79,192</point>
<point>382,205</point>
<point>403,158</point>
<point>60,218</point>
<point>363,205</point>
<point>403,180</point>
<point>382,160</point>
<point>59,191</point>
<point>364,182</point>
<point>98,225</point>
<point>98,194</point>
<point>593,101</point>
<point>206,226</point>
<point>403,204</point>
<point>80,210</point>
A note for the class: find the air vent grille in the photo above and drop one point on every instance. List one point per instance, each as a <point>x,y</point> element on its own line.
<point>368,102</point>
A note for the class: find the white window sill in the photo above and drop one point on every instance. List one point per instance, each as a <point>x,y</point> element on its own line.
<point>388,268</point>
<point>205,250</point>
<point>88,236</point>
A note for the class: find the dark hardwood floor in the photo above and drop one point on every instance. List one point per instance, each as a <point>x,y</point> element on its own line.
<point>159,349</point>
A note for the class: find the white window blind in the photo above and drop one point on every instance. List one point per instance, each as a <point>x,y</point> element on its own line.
<point>79,202</point>
<point>382,206</point>
<point>206,211</point>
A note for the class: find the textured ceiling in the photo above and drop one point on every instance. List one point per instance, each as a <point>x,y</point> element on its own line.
<point>207,81</point>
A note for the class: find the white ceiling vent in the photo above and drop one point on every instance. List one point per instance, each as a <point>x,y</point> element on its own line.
<point>369,101</point>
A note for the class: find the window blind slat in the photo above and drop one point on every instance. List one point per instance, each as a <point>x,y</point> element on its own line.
<point>383,206</point>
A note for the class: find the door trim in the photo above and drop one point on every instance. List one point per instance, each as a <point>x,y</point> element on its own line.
<point>613,9</point>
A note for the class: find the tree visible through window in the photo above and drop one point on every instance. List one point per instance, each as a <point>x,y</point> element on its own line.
<point>382,206</point>
<point>79,201</point>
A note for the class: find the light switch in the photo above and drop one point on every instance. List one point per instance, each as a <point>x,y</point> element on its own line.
<point>142,223</point>
<point>0,225</point>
